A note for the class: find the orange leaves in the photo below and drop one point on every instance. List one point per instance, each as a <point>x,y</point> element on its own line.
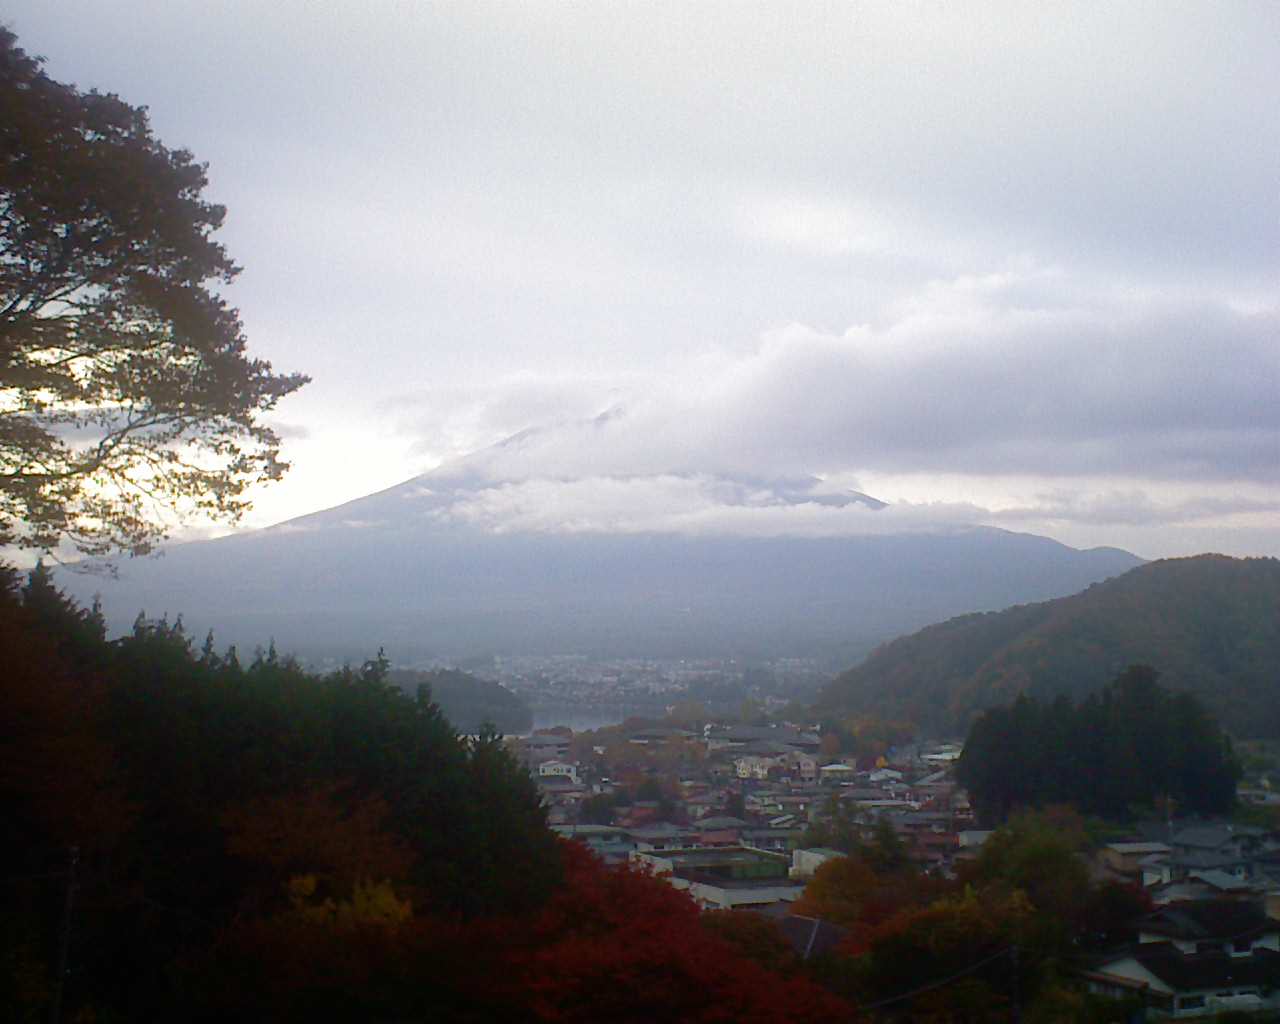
<point>848,892</point>
<point>838,891</point>
<point>323,829</point>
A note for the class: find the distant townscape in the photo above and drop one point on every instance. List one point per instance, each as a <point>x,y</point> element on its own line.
<point>1170,916</point>
<point>587,692</point>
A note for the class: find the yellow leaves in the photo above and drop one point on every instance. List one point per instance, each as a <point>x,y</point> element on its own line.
<point>371,904</point>
<point>329,855</point>
<point>301,888</point>
<point>377,903</point>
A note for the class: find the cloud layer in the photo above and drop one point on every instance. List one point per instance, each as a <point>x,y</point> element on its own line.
<point>1168,390</point>
<point>1013,261</point>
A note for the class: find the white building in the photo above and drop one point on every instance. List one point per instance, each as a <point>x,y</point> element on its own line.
<point>562,769</point>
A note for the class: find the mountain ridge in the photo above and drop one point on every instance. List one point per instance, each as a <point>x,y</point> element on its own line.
<point>1209,623</point>
<point>483,555</point>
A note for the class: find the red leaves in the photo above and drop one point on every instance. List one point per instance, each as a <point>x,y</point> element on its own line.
<point>619,944</point>
<point>614,944</point>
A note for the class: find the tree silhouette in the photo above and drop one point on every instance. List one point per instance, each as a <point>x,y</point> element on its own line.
<point>126,394</point>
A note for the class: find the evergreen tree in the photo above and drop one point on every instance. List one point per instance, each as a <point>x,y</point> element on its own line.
<point>1131,745</point>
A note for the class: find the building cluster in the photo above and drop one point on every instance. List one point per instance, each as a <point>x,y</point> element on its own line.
<point>649,685</point>
<point>730,821</point>
<point>724,811</point>
<point>1212,944</point>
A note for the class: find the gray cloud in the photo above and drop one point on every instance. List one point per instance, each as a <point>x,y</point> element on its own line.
<point>1133,508</point>
<point>1127,402</point>
<point>687,505</point>
<point>1170,391</point>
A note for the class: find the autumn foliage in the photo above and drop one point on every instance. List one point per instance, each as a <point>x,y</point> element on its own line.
<point>622,945</point>
<point>258,843</point>
<point>262,844</point>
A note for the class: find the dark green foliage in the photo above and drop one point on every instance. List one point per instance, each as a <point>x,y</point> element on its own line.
<point>886,851</point>
<point>841,827</point>
<point>1133,744</point>
<point>498,842</point>
<point>151,758</point>
<point>207,736</point>
<point>835,829</point>
<point>649,789</point>
<point>264,845</point>
<point>598,809</point>
<point>876,842</point>
<point>1039,856</point>
<point>78,634</point>
<point>1211,623</point>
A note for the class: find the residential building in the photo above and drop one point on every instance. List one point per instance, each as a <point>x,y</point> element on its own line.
<point>1197,959</point>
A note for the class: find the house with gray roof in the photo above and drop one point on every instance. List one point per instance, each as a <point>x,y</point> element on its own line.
<point>1198,959</point>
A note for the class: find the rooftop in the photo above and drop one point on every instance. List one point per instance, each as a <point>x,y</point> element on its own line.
<point>1212,837</point>
<point>1183,972</point>
<point>1209,919</point>
<point>1139,848</point>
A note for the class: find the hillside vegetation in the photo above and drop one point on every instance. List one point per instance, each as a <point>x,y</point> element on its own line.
<point>1131,745</point>
<point>468,702</point>
<point>1209,624</point>
<point>200,840</point>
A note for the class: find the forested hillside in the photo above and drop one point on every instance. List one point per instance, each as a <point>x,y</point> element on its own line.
<point>468,702</point>
<point>195,838</point>
<point>1210,625</point>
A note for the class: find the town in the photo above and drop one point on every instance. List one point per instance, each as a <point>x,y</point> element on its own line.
<point>567,689</point>
<point>741,817</point>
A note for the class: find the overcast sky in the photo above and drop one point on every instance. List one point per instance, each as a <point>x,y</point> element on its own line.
<point>1006,263</point>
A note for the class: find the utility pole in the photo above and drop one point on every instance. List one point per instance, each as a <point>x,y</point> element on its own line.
<point>64,937</point>
<point>1017,994</point>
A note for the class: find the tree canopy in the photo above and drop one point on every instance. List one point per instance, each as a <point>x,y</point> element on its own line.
<point>126,396</point>
<point>1132,744</point>
<point>259,843</point>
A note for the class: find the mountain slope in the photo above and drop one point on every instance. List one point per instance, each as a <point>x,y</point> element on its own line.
<point>495,553</point>
<point>343,592</point>
<point>1209,624</point>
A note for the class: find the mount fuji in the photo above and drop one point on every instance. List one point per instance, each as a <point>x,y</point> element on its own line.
<point>496,554</point>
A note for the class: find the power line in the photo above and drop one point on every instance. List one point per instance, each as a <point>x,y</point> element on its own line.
<point>939,983</point>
